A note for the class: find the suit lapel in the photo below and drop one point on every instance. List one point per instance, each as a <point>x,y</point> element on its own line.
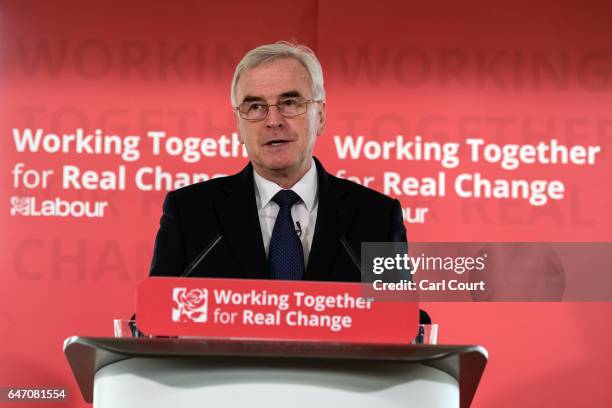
<point>334,218</point>
<point>237,210</point>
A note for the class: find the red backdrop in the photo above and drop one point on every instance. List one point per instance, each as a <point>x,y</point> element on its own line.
<point>519,73</point>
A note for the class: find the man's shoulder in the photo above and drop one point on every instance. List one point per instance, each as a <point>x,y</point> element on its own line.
<point>357,188</point>
<point>344,188</point>
<point>376,216</point>
<point>208,187</point>
<point>359,192</point>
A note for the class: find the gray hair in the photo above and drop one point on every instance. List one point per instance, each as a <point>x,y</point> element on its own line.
<point>282,49</point>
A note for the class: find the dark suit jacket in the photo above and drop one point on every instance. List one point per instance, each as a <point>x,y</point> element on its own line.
<point>195,215</point>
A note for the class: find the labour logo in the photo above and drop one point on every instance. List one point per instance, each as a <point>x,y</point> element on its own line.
<point>20,205</point>
<point>191,305</point>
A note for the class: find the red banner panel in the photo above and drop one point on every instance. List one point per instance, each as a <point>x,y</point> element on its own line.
<point>277,310</point>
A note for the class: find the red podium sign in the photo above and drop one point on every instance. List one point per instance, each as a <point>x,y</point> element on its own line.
<point>269,309</point>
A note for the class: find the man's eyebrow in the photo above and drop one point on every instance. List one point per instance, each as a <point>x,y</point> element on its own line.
<point>250,98</point>
<point>288,94</point>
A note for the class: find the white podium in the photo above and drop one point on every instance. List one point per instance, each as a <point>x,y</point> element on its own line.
<point>236,373</point>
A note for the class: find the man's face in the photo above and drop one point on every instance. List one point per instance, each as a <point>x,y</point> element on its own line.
<point>279,146</point>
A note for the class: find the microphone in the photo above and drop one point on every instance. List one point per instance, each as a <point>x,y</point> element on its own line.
<point>298,229</point>
<point>353,256</point>
<point>424,317</point>
<point>198,259</point>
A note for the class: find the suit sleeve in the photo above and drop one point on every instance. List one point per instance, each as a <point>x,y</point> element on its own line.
<point>398,230</point>
<point>169,251</point>
<point>398,234</point>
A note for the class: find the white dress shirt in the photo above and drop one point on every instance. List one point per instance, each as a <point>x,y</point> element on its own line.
<point>304,212</point>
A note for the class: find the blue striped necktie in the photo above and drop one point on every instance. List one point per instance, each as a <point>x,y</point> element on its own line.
<point>285,255</point>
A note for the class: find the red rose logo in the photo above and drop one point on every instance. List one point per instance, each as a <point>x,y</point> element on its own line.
<point>192,305</point>
<point>192,300</point>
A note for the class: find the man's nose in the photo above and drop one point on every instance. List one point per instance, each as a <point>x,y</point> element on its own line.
<point>274,118</point>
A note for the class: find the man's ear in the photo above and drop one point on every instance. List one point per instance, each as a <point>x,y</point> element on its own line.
<point>240,138</point>
<point>321,119</point>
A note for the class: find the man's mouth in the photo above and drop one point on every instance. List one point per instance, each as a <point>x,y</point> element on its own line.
<point>277,142</point>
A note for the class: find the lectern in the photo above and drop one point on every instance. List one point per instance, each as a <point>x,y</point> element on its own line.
<point>193,372</point>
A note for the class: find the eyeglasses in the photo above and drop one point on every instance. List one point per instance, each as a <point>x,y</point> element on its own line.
<point>288,107</point>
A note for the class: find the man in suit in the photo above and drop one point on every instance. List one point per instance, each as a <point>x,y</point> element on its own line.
<point>283,216</point>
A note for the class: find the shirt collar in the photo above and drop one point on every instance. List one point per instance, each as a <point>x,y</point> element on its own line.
<point>306,188</point>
